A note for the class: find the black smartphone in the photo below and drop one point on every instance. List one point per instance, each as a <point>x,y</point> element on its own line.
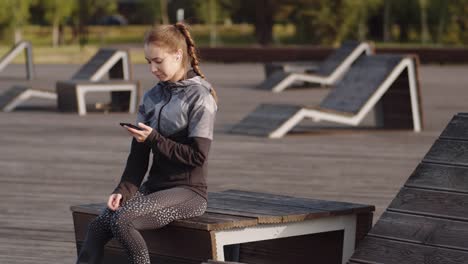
<point>130,125</point>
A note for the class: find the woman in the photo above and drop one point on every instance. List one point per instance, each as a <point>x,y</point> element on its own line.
<point>176,119</point>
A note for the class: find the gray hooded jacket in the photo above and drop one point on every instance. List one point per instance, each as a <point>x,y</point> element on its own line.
<point>182,116</point>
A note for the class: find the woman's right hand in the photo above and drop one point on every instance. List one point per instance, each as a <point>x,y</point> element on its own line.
<point>114,201</point>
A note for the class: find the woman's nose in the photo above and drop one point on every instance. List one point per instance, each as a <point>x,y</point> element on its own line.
<point>154,67</point>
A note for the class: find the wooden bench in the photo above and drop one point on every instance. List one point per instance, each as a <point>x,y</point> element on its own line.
<point>387,83</point>
<point>427,222</point>
<point>253,228</point>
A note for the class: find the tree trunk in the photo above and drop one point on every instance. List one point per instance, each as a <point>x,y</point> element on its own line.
<point>264,21</point>
<point>386,22</point>
<point>442,23</point>
<point>212,19</point>
<point>424,27</point>
<point>55,35</point>
<point>18,35</point>
<point>164,16</point>
<point>61,35</point>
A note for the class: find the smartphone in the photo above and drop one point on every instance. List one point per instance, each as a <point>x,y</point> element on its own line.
<point>130,125</point>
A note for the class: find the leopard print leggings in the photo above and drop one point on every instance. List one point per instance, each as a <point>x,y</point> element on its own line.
<point>145,210</point>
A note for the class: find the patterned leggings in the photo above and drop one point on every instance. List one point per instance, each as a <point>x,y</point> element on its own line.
<point>144,210</point>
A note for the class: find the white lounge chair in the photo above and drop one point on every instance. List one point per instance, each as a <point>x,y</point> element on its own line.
<point>329,72</point>
<point>114,62</point>
<point>388,82</point>
<point>15,51</point>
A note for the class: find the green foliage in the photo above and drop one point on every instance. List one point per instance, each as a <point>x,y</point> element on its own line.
<point>457,23</point>
<point>355,16</point>
<point>214,11</point>
<point>150,10</point>
<point>14,13</point>
<point>57,11</point>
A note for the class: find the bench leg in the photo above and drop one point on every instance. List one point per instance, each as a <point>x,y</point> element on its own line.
<point>80,97</point>
<point>347,223</point>
<point>82,90</point>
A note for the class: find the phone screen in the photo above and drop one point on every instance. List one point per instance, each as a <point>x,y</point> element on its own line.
<point>131,125</point>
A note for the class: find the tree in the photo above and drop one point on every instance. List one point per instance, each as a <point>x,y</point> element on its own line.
<point>56,13</point>
<point>423,6</point>
<point>14,14</point>
<point>355,15</point>
<point>91,10</point>
<point>213,12</point>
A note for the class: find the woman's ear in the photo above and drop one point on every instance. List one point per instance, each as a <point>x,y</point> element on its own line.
<point>179,54</point>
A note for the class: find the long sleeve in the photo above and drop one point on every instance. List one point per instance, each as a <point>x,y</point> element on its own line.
<point>135,170</point>
<point>193,154</point>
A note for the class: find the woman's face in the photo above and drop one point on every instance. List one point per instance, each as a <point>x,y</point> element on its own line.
<point>166,66</point>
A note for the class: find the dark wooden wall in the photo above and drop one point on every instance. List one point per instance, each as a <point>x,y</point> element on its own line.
<point>315,53</point>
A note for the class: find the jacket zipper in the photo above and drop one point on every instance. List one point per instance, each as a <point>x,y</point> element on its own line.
<point>160,110</point>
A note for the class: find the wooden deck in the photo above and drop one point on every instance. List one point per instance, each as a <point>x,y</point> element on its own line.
<point>50,161</point>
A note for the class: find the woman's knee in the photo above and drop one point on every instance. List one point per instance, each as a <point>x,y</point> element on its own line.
<point>121,221</point>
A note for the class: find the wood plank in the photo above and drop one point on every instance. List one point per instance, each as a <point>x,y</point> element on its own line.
<point>208,221</point>
<point>330,206</point>
<point>434,203</point>
<point>457,128</point>
<point>213,221</point>
<point>266,213</point>
<point>446,151</point>
<point>377,250</point>
<point>423,230</point>
<point>439,177</point>
<point>360,83</point>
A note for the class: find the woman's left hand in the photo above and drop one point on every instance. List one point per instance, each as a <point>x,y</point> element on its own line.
<point>140,135</point>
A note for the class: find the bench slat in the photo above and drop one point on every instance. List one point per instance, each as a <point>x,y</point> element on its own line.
<point>453,152</point>
<point>377,250</point>
<point>330,206</point>
<point>266,213</point>
<point>457,128</point>
<point>208,221</point>
<point>213,221</point>
<point>423,230</point>
<point>439,177</point>
<point>435,203</point>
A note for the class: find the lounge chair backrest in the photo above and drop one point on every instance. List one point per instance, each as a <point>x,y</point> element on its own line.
<point>328,66</point>
<point>360,83</point>
<point>14,52</point>
<point>98,62</point>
